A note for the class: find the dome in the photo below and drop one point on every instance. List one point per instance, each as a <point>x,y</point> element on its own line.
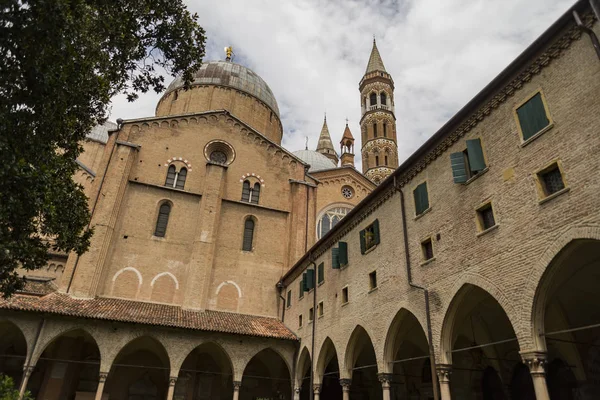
<point>226,73</point>
<point>316,160</point>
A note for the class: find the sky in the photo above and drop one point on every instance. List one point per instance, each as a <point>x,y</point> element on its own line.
<point>313,53</point>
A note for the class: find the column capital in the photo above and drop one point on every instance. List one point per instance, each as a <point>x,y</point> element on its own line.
<point>102,377</point>
<point>385,379</point>
<point>345,383</point>
<point>535,360</point>
<point>317,389</point>
<point>237,385</point>
<point>297,390</point>
<point>172,380</point>
<point>28,370</point>
<point>443,372</point>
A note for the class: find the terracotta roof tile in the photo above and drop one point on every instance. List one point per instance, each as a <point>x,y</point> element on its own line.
<point>151,313</point>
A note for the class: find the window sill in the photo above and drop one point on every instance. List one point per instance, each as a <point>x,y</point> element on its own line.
<point>300,298</point>
<point>426,262</point>
<point>554,195</point>
<point>159,238</point>
<point>471,179</point>
<point>320,284</point>
<point>310,322</point>
<point>320,316</point>
<point>537,135</point>
<point>488,230</point>
<point>423,213</point>
<point>373,290</point>
<point>345,304</point>
<point>369,250</point>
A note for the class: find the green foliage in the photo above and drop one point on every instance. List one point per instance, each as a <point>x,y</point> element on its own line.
<point>8,390</point>
<point>62,61</point>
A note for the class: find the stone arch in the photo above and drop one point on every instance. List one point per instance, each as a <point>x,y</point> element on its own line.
<point>123,287</point>
<point>48,339</point>
<point>327,354</point>
<point>361,364</point>
<point>303,366</point>
<point>163,290</point>
<point>228,296</point>
<point>266,375</point>
<point>403,324</point>
<point>13,350</point>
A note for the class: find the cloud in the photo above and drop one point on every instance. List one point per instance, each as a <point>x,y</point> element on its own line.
<point>313,53</point>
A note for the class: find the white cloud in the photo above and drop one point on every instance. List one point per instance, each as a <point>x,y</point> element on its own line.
<point>313,53</point>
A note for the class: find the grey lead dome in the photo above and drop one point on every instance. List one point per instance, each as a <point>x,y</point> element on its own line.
<point>225,73</point>
<point>316,160</point>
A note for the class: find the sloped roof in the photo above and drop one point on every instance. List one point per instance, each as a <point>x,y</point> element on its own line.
<point>121,310</point>
<point>347,134</point>
<point>325,144</point>
<point>375,61</point>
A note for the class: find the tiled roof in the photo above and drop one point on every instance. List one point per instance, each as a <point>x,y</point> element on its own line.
<point>39,286</point>
<point>150,313</point>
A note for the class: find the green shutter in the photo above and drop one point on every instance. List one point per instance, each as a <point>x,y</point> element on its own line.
<point>459,168</point>
<point>475,152</point>
<point>321,273</point>
<point>421,198</point>
<point>335,259</point>
<point>343,253</point>
<point>363,242</point>
<point>310,279</point>
<point>376,232</point>
<point>532,116</point>
<point>304,282</point>
<point>289,298</point>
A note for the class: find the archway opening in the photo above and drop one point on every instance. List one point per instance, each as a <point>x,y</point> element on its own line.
<point>69,365</point>
<point>485,351</point>
<point>266,376</point>
<point>13,351</point>
<point>206,373</point>
<point>140,371</point>
<point>570,310</point>
<point>362,361</point>
<point>407,354</point>
<point>303,372</point>
<point>329,372</point>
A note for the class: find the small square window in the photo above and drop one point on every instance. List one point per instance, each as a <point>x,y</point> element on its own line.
<point>311,314</point>
<point>369,237</point>
<point>320,309</point>
<point>345,295</point>
<point>485,216</point>
<point>373,280</point>
<point>300,321</point>
<point>551,180</point>
<point>427,247</point>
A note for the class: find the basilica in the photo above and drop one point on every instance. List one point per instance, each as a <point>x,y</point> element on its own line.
<point>225,266</point>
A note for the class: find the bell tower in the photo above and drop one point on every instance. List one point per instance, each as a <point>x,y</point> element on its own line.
<point>378,122</point>
<point>347,147</point>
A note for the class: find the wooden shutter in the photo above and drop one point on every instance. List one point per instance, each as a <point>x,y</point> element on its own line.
<point>421,198</point>
<point>289,298</point>
<point>321,273</point>
<point>376,232</point>
<point>343,253</point>
<point>310,278</point>
<point>363,242</point>
<point>181,178</point>
<point>248,234</point>
<point>162,220</point>
<point>171,172</point>
<point>475,153</point>
<point>255,193</point>
<point>304,283</point>
<point>335,259</point>
<point>532,116</point>
<point>246,191</point>
<point>459,167</point>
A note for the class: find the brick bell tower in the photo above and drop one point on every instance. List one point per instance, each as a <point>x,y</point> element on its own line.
<point>378,122</point>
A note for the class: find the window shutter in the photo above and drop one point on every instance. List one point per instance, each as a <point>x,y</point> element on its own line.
<point>421,198</point>
<point>376,231</point>
<point>310,278</point>
<point>475,152</point>
<point>321,273</point>
<point>532,116</point>
<point>171,172</point>
<point>181,178</point>
<point>335,260</point>
<point>246,191</point>
<point>343,253</point>
<point>363,242</point>
<point>459,168</point>
<point>304,283</point>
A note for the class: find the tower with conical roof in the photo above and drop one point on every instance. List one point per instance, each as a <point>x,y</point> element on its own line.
<point>325,145</point>
<point>347,147</point>
<point>378,122</point>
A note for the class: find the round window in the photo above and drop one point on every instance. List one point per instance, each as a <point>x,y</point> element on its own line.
<point>347,192</point>
<point>218,157</point>
<point>219,152</point>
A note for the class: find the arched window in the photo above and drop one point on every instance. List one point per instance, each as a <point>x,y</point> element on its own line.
<point>255,193</point>
<point>375,129</point>
<point>171,174</point>
<point>377,161</point>
<point>162,220</point>
<point>373,99</point>
<point>329,219</point>
<point>180,182</point>
<point>383,99</point>
<point>246,191</point>
<point>248,234</point>
<point>384,129</point>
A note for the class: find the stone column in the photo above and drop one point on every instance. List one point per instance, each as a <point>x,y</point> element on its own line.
<point>101,381</point>
<point>317,392</point>
<point>297,393</point>
<point>443,373</point>
<point>536,361</point>
<point>26,374</point>
<point>385,380</point>
<point>346,388</point>
<point>172,383</point>
<point>236,389</point>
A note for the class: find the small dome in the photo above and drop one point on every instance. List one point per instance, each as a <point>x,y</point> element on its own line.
<point>316,160</point>
<point>225,73</point>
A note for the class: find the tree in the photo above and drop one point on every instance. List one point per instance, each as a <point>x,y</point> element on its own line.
<point>62,61</point>
<point>8,391</point>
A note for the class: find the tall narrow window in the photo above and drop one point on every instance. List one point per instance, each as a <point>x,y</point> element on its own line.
<point>375,129</point>
<point>171,174</point>
<point>181,178</point>
<point>248,234</point>
<point>532,116</point>
<point>377,161</point>
<point>246,191</point>
<point>383,99</point>
<point>384,129</point>
<point>386,160</point>
<point>373,100</point>
<point>162,220</point>
<point>255,193</point>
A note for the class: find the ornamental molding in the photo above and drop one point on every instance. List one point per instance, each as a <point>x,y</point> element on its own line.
<point>378,114</point>
<point>380,143</point>
<point>253,175</point>
<point>180,159</point>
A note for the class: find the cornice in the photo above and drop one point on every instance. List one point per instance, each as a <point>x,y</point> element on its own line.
<point>374,114</point>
